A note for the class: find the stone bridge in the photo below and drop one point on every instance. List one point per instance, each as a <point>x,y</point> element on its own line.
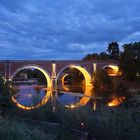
<point>52,69</point>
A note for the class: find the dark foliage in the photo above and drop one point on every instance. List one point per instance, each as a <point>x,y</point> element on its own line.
<point>113,50</point>
<point>130,61</point>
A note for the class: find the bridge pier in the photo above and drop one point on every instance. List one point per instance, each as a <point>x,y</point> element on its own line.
<point>7,71</point>
<point>94,67</point>
<point>53,76</point>
<point>94,70</point>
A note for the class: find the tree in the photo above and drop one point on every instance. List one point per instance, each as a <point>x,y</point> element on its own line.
<point>103,86</point>
<point>91,56</point>
<point>5,97</point>
<point>132,49</point>
<point>103,56</point>
<point>130,61</point>
<point>113,50</point>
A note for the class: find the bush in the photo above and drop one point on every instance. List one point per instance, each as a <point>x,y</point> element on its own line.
<point>11,129</point>
<point>5,97</point>
<point>103,86</point>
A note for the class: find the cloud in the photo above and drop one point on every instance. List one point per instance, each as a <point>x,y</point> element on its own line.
<point>65,29</point>
<point>134,37</point>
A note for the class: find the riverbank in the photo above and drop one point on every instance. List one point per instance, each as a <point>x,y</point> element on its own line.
<point>19,129</point>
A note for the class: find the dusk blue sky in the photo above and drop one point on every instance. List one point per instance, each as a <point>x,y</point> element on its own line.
<point>65,29</point>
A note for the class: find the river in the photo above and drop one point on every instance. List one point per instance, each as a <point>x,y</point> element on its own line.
<point>31,96</point>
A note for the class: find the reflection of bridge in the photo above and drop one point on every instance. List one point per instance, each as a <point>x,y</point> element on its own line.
<point>53,69</point>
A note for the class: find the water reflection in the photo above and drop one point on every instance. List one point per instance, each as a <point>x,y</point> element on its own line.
<point>116,101</point>
<point>33,96</point>
<point>30,96</point>
<point>74,96</point>
<point>28,85</point>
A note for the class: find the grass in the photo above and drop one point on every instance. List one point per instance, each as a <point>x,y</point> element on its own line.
<point>11,129</point>
<point>17,129</point>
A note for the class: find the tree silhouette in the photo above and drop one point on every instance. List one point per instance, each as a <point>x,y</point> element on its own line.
<point>113,50</point>
<point>130,61</point>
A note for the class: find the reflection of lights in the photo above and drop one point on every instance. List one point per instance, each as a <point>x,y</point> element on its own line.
<point>4,80</point>
<point>44,101</point>
<point>29,95</point>
<point>116,101</point>
<point>94,105</point>
<point>65,87</point>
<point>47,96</point>
<point>63,78</point>
<point>84,100</point>
<point>70,106</point>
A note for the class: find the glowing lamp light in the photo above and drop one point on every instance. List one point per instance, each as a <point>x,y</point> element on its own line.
<point>82,124</point>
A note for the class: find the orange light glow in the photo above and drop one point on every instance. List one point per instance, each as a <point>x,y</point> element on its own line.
<point>70,106</point>
<point>65,87</point>
<point>85,73</point>
<point>88,86</point>
<point>47,76</point>
<point>116,101</point>
<point>84,100</point>
<point>82,70</point>
<point>63,78</point>
<point>112,70</point>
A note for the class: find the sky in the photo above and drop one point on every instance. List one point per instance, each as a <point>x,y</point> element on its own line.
<point>65,29</point>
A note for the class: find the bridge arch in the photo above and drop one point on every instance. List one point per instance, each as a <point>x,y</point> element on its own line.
<point>113,70</point>
<point>45,73</point>
<point>88,86</point>
<point>63,78</point>
<point>48,79</point>
<point>85,73</point>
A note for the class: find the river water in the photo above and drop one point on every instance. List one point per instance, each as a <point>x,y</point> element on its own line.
<point>31,96</point>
